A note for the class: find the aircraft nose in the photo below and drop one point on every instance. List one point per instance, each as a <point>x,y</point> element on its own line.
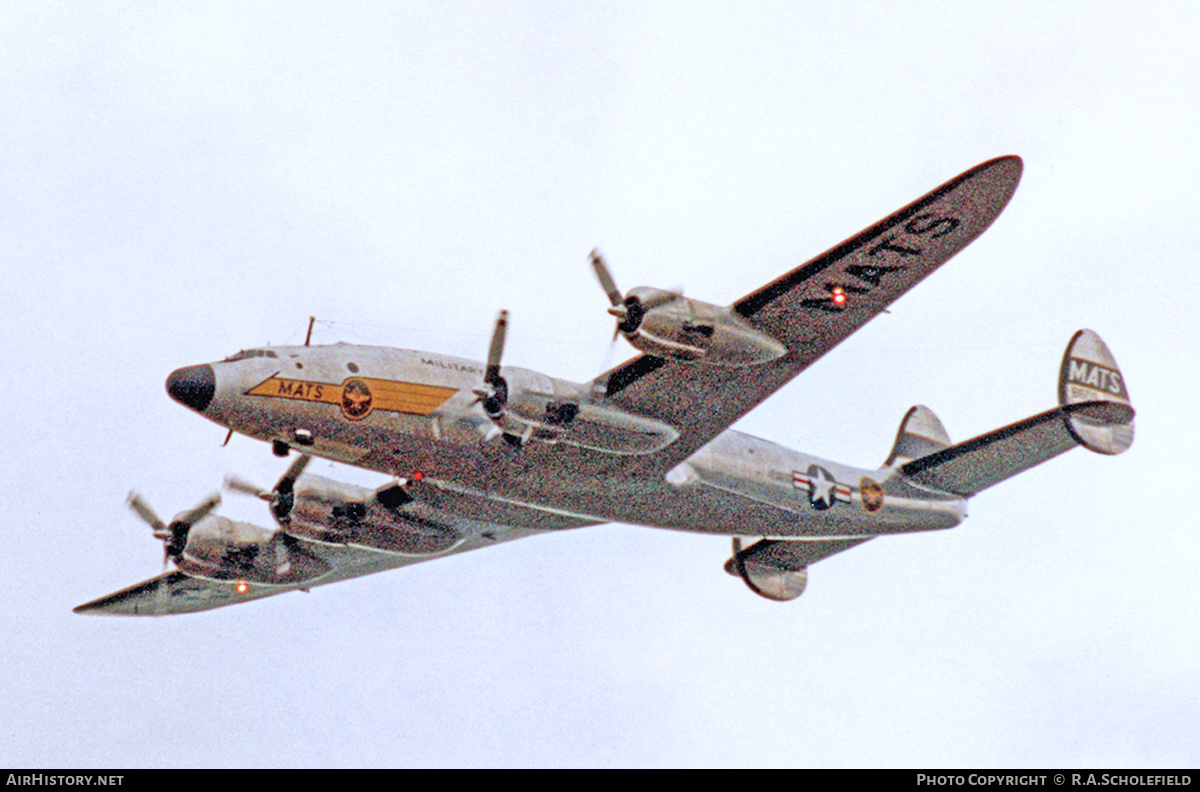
<point>192,386</point>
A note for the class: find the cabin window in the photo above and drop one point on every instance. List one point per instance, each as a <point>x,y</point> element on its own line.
<point>250,353</point>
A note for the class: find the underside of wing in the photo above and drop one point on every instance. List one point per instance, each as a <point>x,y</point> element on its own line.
<point>346,547</point>
<point>866,273</point>
<point>812,309</point>
<point>175,592</point>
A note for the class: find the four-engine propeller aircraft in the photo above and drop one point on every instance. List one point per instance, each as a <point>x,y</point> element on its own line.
<point>486,453</point>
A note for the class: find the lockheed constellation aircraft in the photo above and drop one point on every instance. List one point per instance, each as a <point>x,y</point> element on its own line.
<point>481,453</point>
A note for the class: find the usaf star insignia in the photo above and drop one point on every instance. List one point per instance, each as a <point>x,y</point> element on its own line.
<point>823,489</point>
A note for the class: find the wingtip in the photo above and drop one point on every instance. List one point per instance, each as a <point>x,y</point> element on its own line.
<point>1008,161</point>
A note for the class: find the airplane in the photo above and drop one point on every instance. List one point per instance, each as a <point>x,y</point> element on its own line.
<point>480,453</point>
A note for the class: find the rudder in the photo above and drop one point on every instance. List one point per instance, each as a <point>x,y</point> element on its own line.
<point>1090,375</point>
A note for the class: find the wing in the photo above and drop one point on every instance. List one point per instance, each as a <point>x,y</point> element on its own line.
<point>812,309</point>
<point>176,592</point>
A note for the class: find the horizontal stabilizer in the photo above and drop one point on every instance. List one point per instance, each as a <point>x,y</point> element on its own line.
<point>778,569</point>
<point>1095,412</point>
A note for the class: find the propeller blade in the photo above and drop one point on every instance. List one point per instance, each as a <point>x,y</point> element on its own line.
<point>238,484</point>
<point>173,536</point>
<point>496,350</point>
<point>606,279</point>
<point>283,497</point>
<point>195,515</point>
<point>147,514</point>
<point>492,393</point>
<point>289,478</point>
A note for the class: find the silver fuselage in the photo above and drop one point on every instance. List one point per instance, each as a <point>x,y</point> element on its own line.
<point>413,415</point>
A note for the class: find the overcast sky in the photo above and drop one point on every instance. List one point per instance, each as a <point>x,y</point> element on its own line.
<point>182,181</point>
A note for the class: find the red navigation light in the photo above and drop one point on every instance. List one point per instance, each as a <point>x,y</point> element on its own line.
<point>418,475</point>
<point>242,588</point>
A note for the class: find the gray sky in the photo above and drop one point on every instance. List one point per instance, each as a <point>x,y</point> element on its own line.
<point>181,181</point>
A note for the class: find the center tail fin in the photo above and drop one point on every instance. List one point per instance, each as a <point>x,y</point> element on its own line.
<point>920,434</point>
<point>1094,411</point>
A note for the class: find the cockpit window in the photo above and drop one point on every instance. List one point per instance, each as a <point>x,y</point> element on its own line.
<point>250,353</point>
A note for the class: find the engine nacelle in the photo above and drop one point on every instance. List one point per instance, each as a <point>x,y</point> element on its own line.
<point>667,324</point>
<point>551,411</point>
<point>388,519</point>
<point>222,549</point>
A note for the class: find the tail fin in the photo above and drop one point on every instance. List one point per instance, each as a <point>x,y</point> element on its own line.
<point>921,434</point>
<point>1090,375</point>
<point>1094,412</point>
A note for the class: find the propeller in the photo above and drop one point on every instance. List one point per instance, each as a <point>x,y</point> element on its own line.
<point>493,393</point>
<point>283,497</point>
<point>606,279</point>
<point>631,309</point>
<point>175,535</point>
